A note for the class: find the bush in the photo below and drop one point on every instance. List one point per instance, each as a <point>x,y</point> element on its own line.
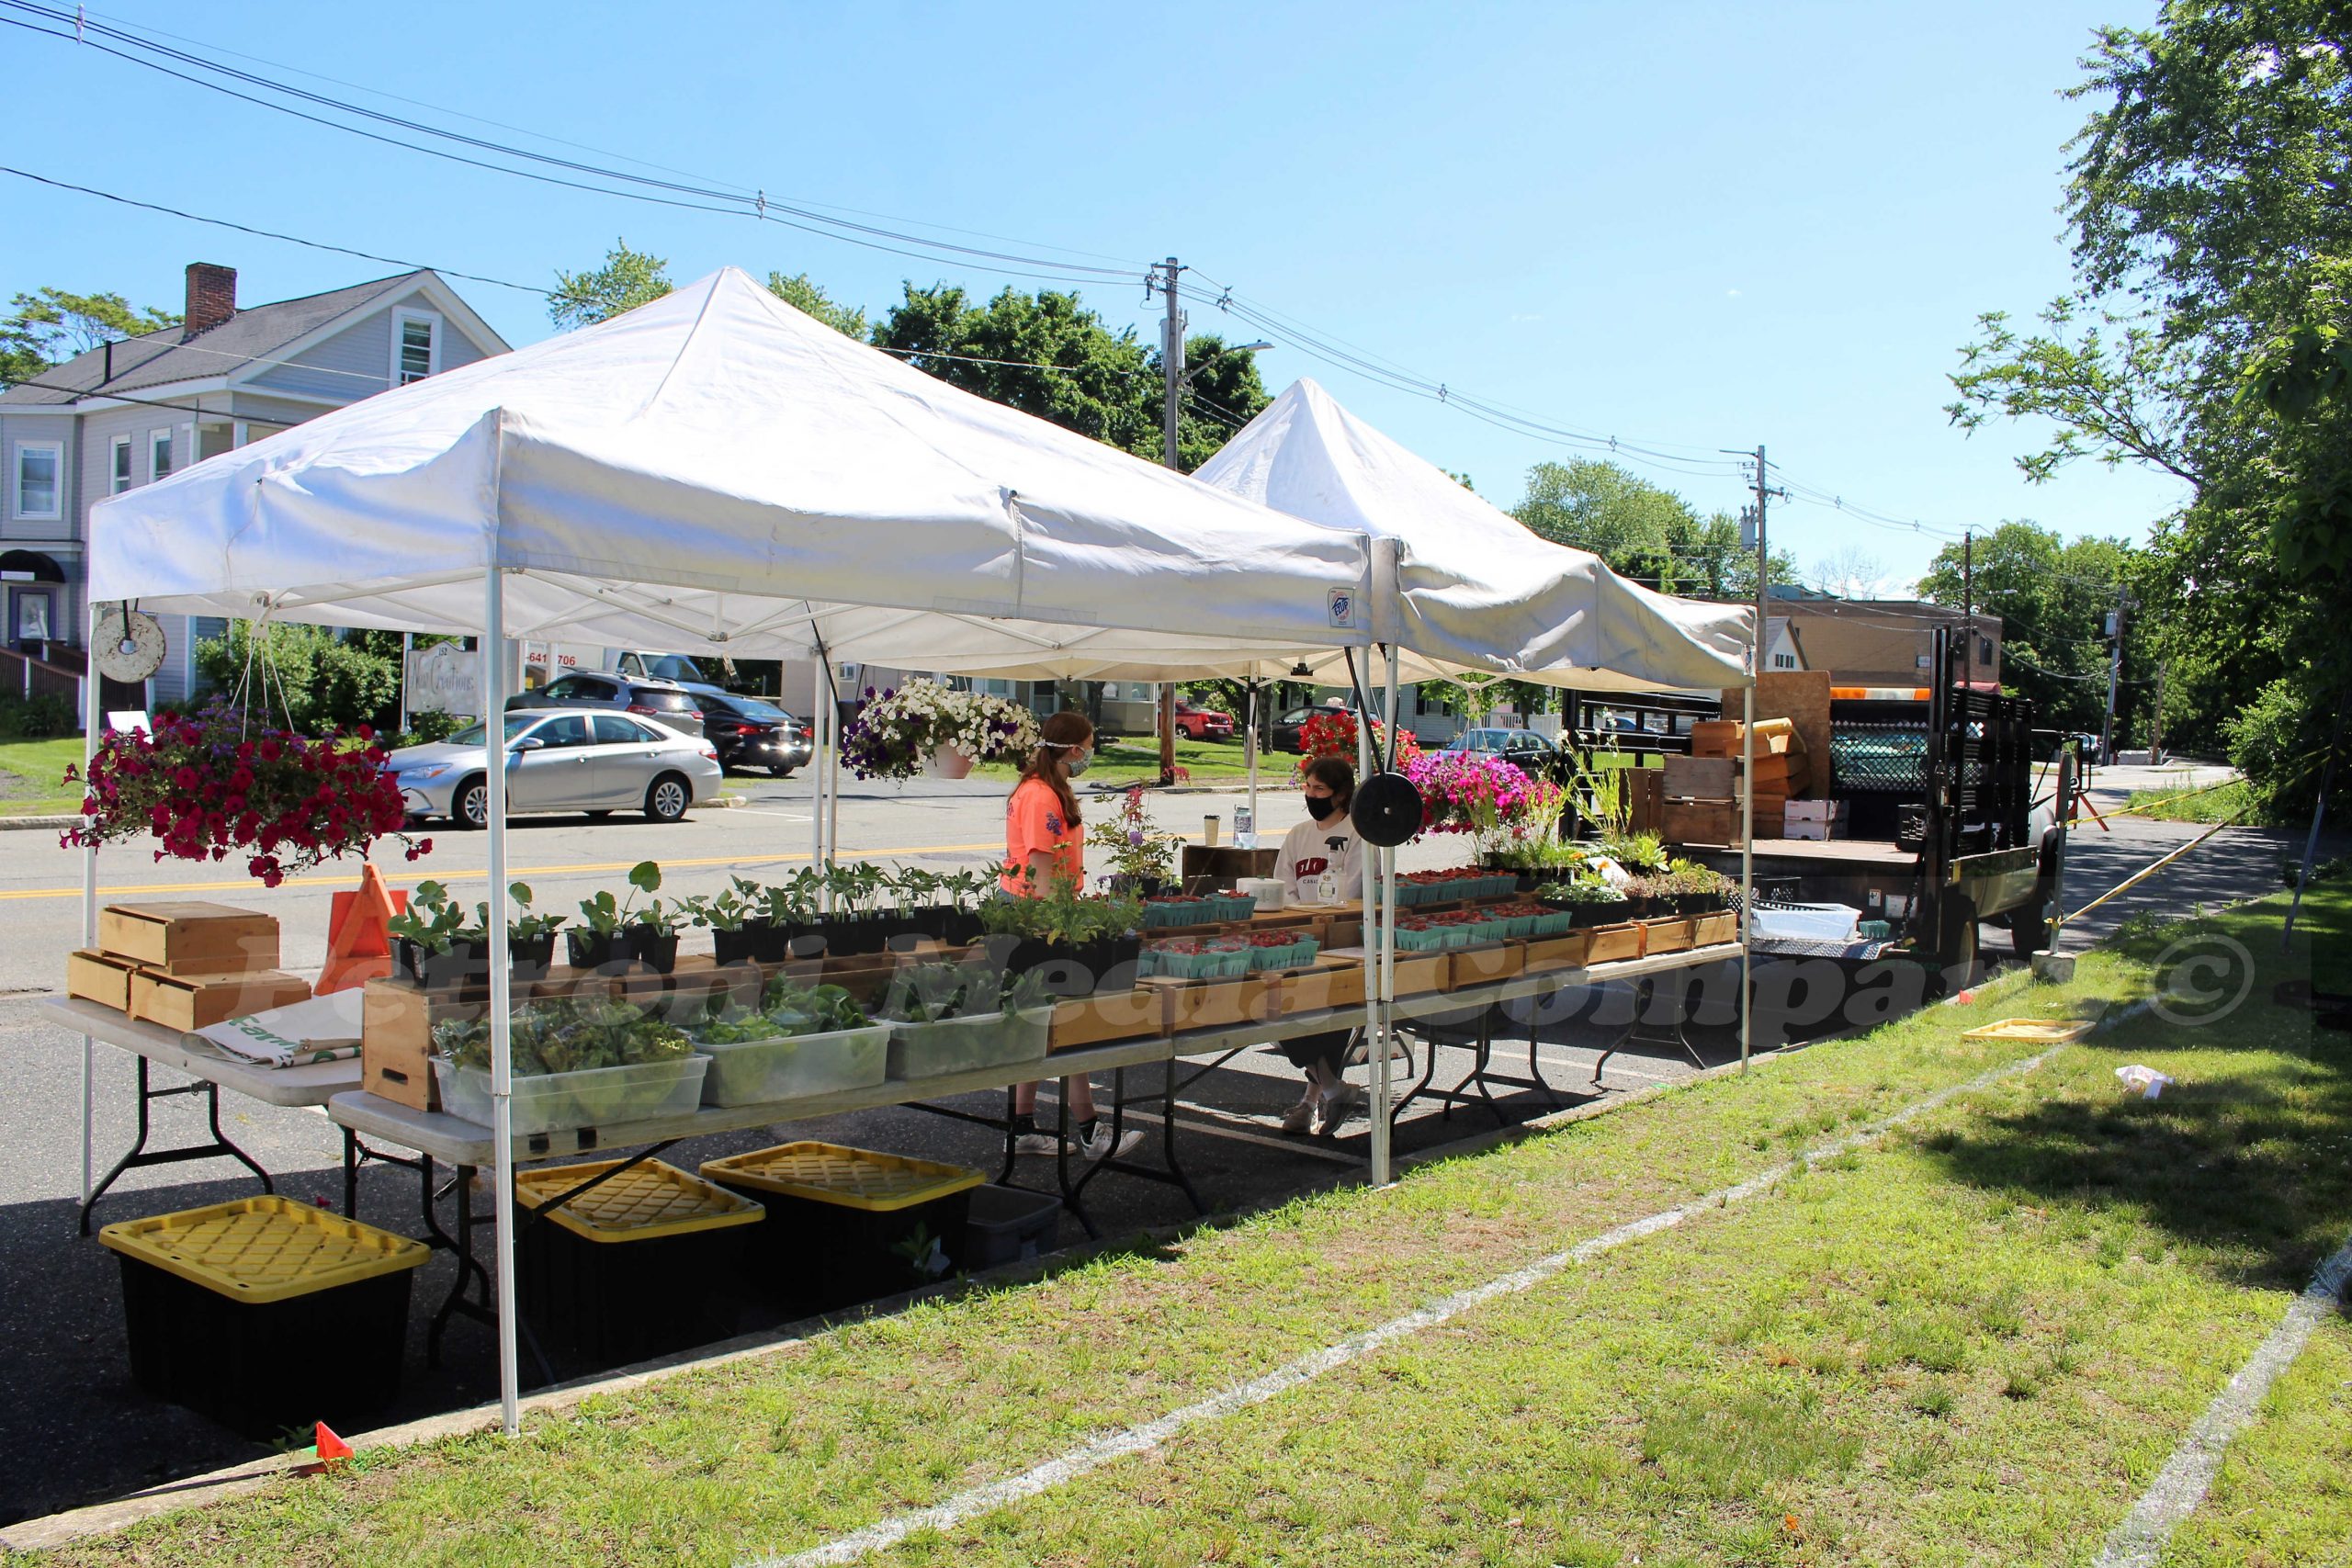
<point>315,678</point>
<point>2280,743</point>
<point>425,728</point>
<point>44,717</point>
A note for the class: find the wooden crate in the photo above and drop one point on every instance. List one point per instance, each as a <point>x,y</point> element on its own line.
<point>396,1041</point>
<point>1700,822</point>
<point>1327,984</point>
<point>100,978</point>
<point>1669,935</point>
<point>1193,1005</point>
<point>196,1001</point>
<point>1715,738</point>
<point>1569,951</point>
<point>190,937</point>
<point>1612,944</point>
<point>1701,778</point>
<point>1107,1015</point>
<point>1708,931</point>
<point>1645,791</point>
<point>1484,965</point>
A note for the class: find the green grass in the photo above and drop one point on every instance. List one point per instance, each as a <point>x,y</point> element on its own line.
<point>30,775</point>
<point>2185,805</point>
<point>1137,760</point>
<point>1975,1341</point>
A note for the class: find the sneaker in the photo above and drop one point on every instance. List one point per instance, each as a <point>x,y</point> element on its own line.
<point>1036,1144</point>
<point>1100,1146</point>
<point>1300,1118</point>
<point>1335,1107</point>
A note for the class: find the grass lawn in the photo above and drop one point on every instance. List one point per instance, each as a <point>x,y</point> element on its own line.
<point>29,771</point>
<point>1137,760</point>
<point>2185,805</point>
<point>1974,1341</point>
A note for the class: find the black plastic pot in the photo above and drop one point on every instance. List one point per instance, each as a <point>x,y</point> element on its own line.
<point>654,948</point>
<point>590,950</point>
<point>408,959</point>
<point>531,956</point>
<point>846,935</point>
<point>1064,970</point>
<point>1581,916</point>
<point>737,947</point>
<point>461,965</point>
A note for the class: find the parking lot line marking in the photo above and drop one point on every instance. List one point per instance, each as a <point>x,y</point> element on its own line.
<point>1148,1436</point>
<point>410,878</point>
<point>1216,1129</point>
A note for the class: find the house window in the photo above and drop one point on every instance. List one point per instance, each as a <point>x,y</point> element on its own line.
<point>1784,661</point>
<point>1983,650</point>
<point>120,480</point>
<point>33,606</point>
<point>159,454</point>
<point>416,347</point>
<point>40,465</point>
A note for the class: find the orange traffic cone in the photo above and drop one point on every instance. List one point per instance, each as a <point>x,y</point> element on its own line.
<point>359,938</point>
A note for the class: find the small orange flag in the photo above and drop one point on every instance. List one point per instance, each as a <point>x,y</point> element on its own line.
<point>332,1448</point>
<point>359,938</point>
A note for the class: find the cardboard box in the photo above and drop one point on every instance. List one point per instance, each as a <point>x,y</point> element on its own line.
<point>1484,965</point>
<point>190,938</point>
<point>1330,982</point>
<point>396,1043</point>
<point>1569,951</point>
<point>100,978</point>
<point>1667,936</point>
<point>1613,943</point>
<point>1105,1016</point>
<point>1823,811</point>
<point>193,1001</point>
<point>1815,832</point>
<point>1700,778</point>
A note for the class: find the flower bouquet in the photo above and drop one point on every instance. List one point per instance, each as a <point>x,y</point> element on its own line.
<point>206,782</point>
<point>925,727</point>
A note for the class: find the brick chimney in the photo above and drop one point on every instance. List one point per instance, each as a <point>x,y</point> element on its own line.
<point>211,297</point>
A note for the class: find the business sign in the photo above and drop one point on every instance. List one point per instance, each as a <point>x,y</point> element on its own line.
<point>444,678</point>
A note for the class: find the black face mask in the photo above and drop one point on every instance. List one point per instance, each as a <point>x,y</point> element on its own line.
<point>1320,807</point>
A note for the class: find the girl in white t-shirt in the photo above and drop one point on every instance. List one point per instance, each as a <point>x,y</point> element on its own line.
<point>1321,862</point>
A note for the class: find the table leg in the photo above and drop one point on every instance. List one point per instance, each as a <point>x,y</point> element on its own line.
<point>141,1154</point>
<point>350,1174</point>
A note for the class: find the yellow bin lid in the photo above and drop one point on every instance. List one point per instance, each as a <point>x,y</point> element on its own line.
<point>2034,1030</point>
<point>853,1179</point>
<point>269,1248</point>
<point>648,1200</point>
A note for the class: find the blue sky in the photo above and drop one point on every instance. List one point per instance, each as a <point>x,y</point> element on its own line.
<point>1688,226</point>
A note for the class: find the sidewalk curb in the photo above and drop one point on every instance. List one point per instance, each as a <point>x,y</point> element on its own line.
<point>55,824</point>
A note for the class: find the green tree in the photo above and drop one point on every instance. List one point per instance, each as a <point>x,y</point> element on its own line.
<point>314,677</point>
<point>1642,531</point>
<point>51,325</point>
<point>2211,248</point>
<point>1044,354</point>
<point>802,295</point>
<point>628,278</point>
<point>2054,597</point>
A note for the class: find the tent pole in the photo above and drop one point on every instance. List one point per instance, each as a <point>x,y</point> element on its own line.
<point>502,1031</point>
<point>92,700</point>
<point>1385,1027</point>
<point>820,721</point>
<point>1250,745</point>
<point>1746,864</point>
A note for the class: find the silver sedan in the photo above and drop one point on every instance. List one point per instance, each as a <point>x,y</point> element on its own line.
<point>561,760</point>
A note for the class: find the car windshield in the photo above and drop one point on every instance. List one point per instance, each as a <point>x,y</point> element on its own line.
<point>516,725</point>
<point>752,708</point>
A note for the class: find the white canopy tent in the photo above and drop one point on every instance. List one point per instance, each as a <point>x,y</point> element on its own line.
<point>716,472</point>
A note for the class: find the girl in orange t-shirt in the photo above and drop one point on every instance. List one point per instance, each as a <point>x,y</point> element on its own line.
<point>1045,844</point>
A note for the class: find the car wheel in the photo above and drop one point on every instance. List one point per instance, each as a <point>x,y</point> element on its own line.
<point>668,799</point>
<point>779,773</point>
<point>470,808</point>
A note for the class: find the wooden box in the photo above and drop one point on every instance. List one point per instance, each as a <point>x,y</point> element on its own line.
<point>1213,1004</point>
<point>194,1001</point>
<point>1715,738</point>
<point>1613,943</point>
<point>1108,1015</point>
<point>100,978</point>
<point>1645,792</point>
<point>1700,822</point>
<point>1330,982</point>
<point>1711,930</point>
<point>1484,965</point>
<point>190,938</point>
<point>396,1043</point>
<point>1420,972</point>
<point>1701,778</point>
<point>1667,936</point>
<point>1569,951</point>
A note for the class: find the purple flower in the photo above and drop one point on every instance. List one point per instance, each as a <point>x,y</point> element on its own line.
<point>1135,836</point>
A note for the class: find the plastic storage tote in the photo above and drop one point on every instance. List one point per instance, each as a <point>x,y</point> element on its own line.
<point>968,1045</point>
<point>1007,1224</point>
<point>637,1266</point>
<point>759,1072</point>
<point>265,1313</point>
<point>557,1103</point>
<point>846,1225</point>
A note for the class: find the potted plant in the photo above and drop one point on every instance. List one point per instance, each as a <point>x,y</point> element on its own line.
<point>924,726</point>
<point>578,1062</point>
<point>1695,889</point>
<point>530,939</point>
<point>652,935</point>
<point>1078,944</point>
<point>425,934</point>
<point>1143,863</point>
<point>726,915</point>
<point>598,941</point>
<point>1589,901</point>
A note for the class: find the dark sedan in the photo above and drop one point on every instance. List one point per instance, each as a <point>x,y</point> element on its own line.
<point>665,702</point>
<point>750,733</point>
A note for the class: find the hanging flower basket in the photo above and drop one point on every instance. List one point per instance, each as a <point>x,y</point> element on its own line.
<point>1331,732</point>
<point>925,727</point>
<point>215,781</point>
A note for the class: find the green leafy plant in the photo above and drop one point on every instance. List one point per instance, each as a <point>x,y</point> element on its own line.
<point>1580,890</point>
<point>724,911</point>
<point>529,926</point>
<point>601,913</point>
<point>1064,915</point>
<point>1637,853</point>
<point>926,993</point>
<point>567,1035</point>
<point>431,921</point>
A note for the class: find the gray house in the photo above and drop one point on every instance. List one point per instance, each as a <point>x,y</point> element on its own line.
<point>129,413</point>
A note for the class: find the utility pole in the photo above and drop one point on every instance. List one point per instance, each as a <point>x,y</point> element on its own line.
<point>1172,380</point>
<point>2114,674</point>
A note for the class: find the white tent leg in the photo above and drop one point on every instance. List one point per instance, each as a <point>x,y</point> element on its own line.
<point>91,704</point>
<point>1747,862</point>
<point>819,724</point>
<point>501,1039</point>
<point>1384,1006</point>
<point>1250,745</point>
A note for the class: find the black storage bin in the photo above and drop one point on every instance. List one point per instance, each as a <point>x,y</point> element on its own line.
<point>847,1225</point>
<point>1008,1224</point>
<point>229,1309</point>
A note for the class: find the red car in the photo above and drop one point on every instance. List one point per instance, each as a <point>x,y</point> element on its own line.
<point>1202,724</point>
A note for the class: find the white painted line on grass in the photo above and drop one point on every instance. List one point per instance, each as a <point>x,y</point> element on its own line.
<point>2181,1486</point>
<point>1094,1454</point>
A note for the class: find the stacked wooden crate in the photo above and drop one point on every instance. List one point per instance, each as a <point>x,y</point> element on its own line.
<point>1718,750</point>
<point>186,966</point>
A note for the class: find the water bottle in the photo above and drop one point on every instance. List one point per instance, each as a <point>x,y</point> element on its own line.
<point>1244,828</point>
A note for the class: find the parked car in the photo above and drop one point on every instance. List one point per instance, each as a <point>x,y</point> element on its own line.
<point>1522,747</point>
<point>1202,724</point>
<point>664,700</point>
<point>674,667</point>
<point>750,733</point>
<point>560,759</point>
<point>1282,734</point>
